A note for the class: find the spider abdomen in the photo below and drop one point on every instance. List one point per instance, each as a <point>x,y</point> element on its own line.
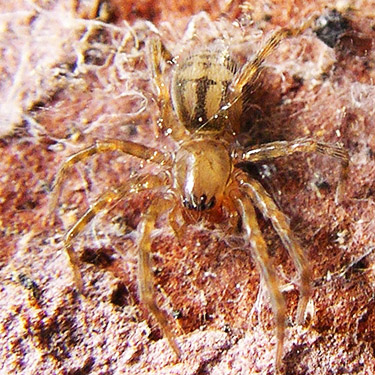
<point>200,91</point>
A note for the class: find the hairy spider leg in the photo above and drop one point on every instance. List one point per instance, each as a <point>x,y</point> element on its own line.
<point>145,274</point>
<point>178,229</point>
<point>264,263</point>
<point>268,208</point>
<point>168,121</point>
<point>251,70</point>
<point>133,186</point>
<point>127,147</point>
<point>278,149</point>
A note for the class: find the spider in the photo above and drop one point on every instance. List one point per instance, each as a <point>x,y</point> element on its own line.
<point>202,178</point>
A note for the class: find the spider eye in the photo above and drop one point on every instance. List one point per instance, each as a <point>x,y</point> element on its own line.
<point>202,201</point>
<point>198,204</point>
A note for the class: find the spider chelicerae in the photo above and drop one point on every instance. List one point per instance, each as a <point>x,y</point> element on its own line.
<point>201,112</point>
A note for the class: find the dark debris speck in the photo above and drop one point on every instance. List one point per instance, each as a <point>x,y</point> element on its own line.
<point>331,26</point>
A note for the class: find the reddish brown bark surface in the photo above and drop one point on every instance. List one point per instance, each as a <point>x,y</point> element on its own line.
<point>68,80</point>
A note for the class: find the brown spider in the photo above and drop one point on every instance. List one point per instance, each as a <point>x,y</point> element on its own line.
<point>202,178</point>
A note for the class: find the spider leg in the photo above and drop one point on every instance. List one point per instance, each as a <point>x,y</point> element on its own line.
<point>158,207</point>
<point>178,229</point>
<point>127,147</point>
<point>259,248</point>
<point>145,274</point>
<point>134,185</point>
<point>168,121</point>
<point>275,150</point>
<point>268,208</point>
<point>251,70</point>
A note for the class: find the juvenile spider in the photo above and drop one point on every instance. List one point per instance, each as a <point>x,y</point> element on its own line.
<point>202,112</point>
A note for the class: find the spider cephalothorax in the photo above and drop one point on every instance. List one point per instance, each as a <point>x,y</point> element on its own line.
<point>202,170</point>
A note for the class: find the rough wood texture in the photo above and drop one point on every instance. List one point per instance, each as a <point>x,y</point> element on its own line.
<point>68,80</point>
